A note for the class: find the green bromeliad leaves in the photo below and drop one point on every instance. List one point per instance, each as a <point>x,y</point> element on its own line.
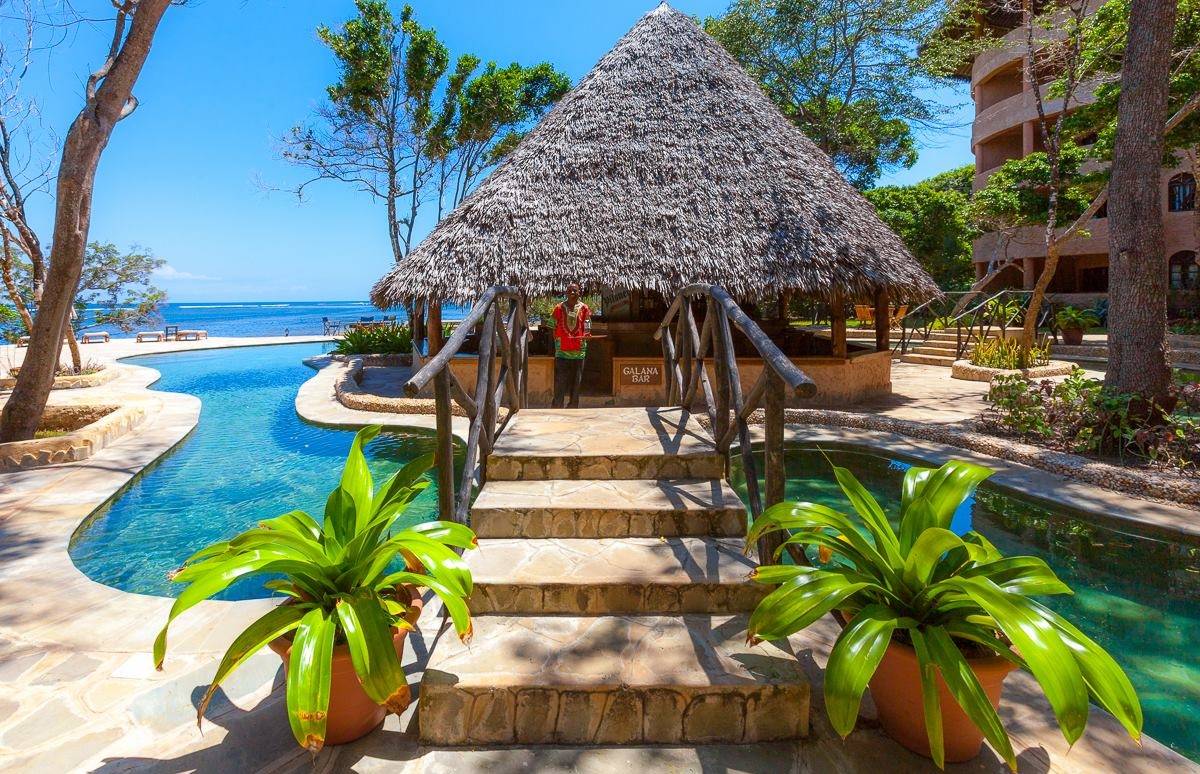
<point>943,589</point>
<point>309,675</point>
<point>337,574</point>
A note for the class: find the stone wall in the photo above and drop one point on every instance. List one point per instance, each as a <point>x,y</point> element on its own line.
<point>91,428</point>
<point>72,381</point>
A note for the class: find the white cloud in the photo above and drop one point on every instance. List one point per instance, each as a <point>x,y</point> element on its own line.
<point>169,272</point>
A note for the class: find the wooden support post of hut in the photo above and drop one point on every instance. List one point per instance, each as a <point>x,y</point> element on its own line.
<point>883,321</point>
<point>837,323</point>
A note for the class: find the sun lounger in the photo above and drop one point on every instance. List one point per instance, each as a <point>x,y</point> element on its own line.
<point>151,336</point>
<point>96,337</point>
<point>191,335</point>
<point>23,341</point>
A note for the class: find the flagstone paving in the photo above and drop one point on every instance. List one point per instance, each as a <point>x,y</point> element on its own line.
<point>76,676</point>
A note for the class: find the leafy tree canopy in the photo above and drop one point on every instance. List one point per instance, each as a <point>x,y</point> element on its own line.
<point>847,74</point>
<point>1018,193</point>
<point>932,219</point>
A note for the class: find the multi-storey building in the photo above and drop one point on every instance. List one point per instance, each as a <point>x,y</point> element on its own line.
<point>1006,127</point>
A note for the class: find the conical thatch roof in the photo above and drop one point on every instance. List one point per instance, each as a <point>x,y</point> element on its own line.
<point>667,164</point>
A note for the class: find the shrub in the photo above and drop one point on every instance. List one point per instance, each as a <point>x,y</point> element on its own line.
<point>1009,354</point>
<point>1070,318</point>
<point>376,340</point>
<point>1080,415</point>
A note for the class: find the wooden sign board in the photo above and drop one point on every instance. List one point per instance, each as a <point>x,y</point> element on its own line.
<point>640,374</point>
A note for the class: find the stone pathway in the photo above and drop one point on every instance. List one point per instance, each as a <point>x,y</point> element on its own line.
<point>615,637</point>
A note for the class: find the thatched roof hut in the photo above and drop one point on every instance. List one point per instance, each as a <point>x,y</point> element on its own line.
<point>666,165</point>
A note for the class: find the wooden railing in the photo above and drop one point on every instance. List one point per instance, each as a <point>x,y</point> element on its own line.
<point>501,381</point>
<point>686,350</point>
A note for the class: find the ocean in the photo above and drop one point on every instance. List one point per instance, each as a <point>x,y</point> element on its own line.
<point>268,318</point>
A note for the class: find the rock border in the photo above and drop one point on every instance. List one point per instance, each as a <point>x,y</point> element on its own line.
<point>968,371</point>
<point>72,381</point>
<point>1154,485</point>
<point>77,445</point>
<point>348,391</point>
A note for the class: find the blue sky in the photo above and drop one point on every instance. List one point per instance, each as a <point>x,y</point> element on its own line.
<point>190,174</point>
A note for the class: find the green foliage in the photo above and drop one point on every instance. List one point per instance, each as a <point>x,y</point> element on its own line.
<point>404,127</point>
<point>1079,414</point>
<point>1103,43</point>
<point>1008,353</point>
<point>949,596</point>
<point>341,585</point>
<point>120,285</point>
<point>1018,193</point>
<point>848,75</point>
<point>376,340</point>
<point>932,217</point>
<point>1070,318</point>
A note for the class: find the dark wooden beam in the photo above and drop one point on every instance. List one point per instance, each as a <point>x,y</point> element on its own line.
<point>837,319</point>
<point>883,321</point>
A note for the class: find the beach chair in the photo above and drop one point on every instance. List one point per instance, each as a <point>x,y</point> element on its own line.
<point>95,337</point>
<point>331,327</point>
<point>150,336</point>
<point>864,314</point>
<point>191,335</point>
<point>23,341</point>
<point>898,315</point>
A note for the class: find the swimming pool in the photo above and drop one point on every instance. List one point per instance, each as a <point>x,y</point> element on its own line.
<point>250,457</point>
<point>1139,597</point>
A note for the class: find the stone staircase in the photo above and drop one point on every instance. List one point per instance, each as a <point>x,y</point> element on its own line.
<point>611,598</point>
<point>940,348</point>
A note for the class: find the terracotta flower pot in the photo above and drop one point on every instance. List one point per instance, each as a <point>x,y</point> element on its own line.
<point>352,714</point>
<point>1072,337</point>
<point>896,689</point>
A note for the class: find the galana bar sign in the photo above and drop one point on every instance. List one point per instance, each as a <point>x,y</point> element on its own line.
<point>641,374</point>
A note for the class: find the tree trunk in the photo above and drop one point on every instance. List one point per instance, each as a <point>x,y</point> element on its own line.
<point>73,346</point>
<point>1137,313</point>
<point>109,99</point>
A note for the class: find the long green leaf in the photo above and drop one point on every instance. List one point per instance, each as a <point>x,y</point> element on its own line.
<point>454,602</point>
<point>277,622</point>
<point>1024,575</point>
<point>449,532</point>
<point>925,554</point>
<point>216,580</point>
<point>872,515</point>
<point>1105,679</point>
<point>852,663</point>
<point>356,479</point>
<point>1042,647</point>
<point>931,705</point>
<point>401,487</point>
<point>967,691</point>
<point>340,516</point>
<point>309,674</point>
<point>369,637</point>
<point>797,603</point>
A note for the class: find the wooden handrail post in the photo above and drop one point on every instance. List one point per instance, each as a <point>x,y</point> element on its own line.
<point>444,449</point>
<point>776,472</point>
<point>722,373</point>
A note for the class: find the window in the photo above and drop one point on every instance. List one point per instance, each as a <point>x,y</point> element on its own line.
<point>1184,271</point>
<point>1181,193</point>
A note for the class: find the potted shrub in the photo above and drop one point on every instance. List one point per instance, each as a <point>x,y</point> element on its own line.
<point>341,629</point>
<point>933,621</point>
<point>1072,323</point>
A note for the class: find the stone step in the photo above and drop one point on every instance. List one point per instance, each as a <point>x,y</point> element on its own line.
<point>948,350</point>
<point>933,360</point>
<point>612,576</point>
<point>596,509</point>
<point>604,443</point>
<point>611,680</point>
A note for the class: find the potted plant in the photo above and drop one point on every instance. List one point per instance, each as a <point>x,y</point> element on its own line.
<point>1072,323</point>
<point>341,629</point>
<point>933,621</point>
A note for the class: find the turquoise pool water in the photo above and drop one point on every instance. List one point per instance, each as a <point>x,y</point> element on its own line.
<point>1138,596</point>
<point>250,457</point>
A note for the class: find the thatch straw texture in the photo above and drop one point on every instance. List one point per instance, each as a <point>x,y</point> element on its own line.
<point>666,165</point>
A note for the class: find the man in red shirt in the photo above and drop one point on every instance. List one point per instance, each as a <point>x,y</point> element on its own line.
<point>570,346</point>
